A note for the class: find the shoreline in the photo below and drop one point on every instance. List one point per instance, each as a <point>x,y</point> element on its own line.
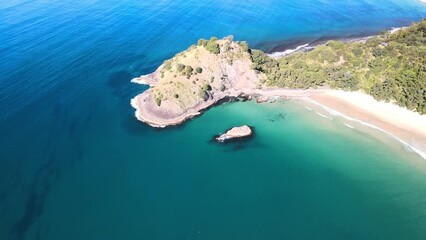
<point>404,125</point>
<point>311,45</point>
<point>284,50</point>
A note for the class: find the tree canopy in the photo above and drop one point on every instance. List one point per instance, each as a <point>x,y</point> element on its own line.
<point>391,67</point>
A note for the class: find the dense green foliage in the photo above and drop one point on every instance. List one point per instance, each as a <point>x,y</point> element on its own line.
<point>188,71</point>
<point>390,67</point>
<point>185,70</point>
<point>211,45</point>
<point>244,46</point>
<point>180,67</point>
<point>204,91</point>
<point>202,42</point>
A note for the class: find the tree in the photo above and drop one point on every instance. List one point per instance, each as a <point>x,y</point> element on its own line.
<point>202,42</point>
<point>212,46</point>
<point>188,71</point>
<point>244,46</point>
<point>180,67</point>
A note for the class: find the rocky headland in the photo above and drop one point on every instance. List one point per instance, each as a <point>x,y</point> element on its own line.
<point>200,77</point>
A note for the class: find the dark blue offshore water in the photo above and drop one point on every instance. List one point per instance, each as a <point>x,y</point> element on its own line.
<point>75,163</point>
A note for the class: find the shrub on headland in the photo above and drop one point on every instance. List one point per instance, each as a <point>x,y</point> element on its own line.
<point>188,71</point>
<point>212,45</point>
<point>202,42</point>
<point>180,67</point>
<point>244,46</point>
<point>158,99</point>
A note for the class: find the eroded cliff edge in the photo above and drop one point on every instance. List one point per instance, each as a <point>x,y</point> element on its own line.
<point>196,79</point>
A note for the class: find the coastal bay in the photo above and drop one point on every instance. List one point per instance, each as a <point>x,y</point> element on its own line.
<point>75,163</point>
<point>236,71</point>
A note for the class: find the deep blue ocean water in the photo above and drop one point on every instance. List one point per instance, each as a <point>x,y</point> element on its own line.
<point>75,163</point>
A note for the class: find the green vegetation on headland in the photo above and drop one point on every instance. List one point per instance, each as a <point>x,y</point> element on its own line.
<point>390,67</point>
<point>211,45</point>
<point>203,72</point>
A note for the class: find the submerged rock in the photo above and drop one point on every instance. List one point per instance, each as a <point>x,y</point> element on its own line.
<point>234,133</point>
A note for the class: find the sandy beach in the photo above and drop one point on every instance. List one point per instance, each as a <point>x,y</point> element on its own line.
<point>407,126</point>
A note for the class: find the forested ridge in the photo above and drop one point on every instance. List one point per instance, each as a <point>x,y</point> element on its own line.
<point>390,67</point>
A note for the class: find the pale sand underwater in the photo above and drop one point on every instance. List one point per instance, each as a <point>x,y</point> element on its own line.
<point>406,126</point>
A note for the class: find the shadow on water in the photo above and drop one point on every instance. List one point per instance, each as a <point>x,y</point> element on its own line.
<point>277,117</point>
<point>237,144</point>
<point>124,90</point>
<point>61,147</point>
<point>126,59</point>
<point>46,175</point>
<point>121,86</point>
<point>134,127</point>
<point>74,126</point>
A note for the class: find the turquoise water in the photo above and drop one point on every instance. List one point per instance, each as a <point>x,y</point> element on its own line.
<point>75,164</point>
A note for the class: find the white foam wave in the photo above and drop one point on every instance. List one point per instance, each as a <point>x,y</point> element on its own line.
<point>140,80</point>
<point>287,51</point>
<point>336,113</point>
<point>322,115</point>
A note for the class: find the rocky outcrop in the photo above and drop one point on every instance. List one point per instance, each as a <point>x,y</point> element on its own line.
<point>235,133</point>
<point>194,80</point>
<point>262,99</point>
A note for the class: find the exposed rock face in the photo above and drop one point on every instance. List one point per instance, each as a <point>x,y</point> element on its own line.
<point>235,132</point>
<point>262,99</point>
<point>194,80</point>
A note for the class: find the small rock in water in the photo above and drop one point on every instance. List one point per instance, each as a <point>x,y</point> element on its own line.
<point>262,99</point>
<point>235,132</point>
